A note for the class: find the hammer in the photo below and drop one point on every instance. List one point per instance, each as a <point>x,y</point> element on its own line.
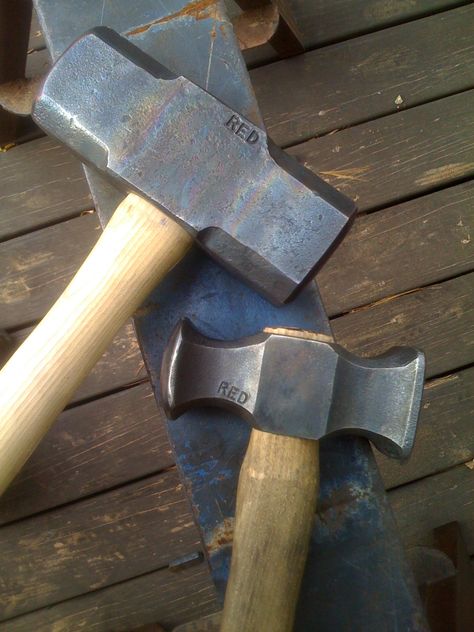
<point>294,387</point>
<point>204,172</point>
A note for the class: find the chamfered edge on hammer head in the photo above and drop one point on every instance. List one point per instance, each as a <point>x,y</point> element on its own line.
<point>297,387</point>
<point>243,201</point>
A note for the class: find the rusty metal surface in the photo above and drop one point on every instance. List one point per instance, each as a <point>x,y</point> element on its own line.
<point>255,27</point>
<point>17,96</point>
<point>356,577</point>
<point>271,21</point>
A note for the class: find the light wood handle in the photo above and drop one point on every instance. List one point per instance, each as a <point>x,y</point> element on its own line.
<point>138,247</point>
<point>276,505</point>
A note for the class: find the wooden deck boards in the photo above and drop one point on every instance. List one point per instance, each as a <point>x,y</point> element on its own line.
<point>54,190</point>
<point>120,366</point>
<point>445,434</point>
<point>360,79</point>
<point>166,596</point>
<point>92,448</point>
<point>96,542</point>
<point>96,516</point>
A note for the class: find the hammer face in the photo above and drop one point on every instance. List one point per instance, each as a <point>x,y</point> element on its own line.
<point>249,205</point>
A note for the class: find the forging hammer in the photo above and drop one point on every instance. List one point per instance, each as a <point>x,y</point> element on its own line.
<point>291,386</point>
<point>196,161</point>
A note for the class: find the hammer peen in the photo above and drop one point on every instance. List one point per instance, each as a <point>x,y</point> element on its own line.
<point>293,387</point>
<point>204,172</point>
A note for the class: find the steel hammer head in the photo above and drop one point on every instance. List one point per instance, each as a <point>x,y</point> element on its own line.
<point>297,386</point>
<point>250,205</point>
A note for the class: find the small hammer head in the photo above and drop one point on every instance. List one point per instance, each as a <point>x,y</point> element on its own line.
<point>297,387</point>
<point>250,205</point>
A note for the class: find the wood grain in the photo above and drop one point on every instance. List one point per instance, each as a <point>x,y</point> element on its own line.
<point>121,365</point>
<point>36,268</point>
<point>169,597</point>
<point>94,543</point>
<point>41,183</point>
<point>321,21</point>
<point>308,85</point>
<point>396,157</point>
<point>439,319</point>
<point>376,258</point>
<point>134,253</point>
<point>432,502</point>
<point>360,79</point>
<point>90,449</point>
<point>405,154</point>
<point>433,147</point>
<point>418,43</point>
<point>112,440</point>
<point>151,500</point>
<point>428,139</point>
<point>448,398</point>
<point>270,546</point>
<point>445,435</point>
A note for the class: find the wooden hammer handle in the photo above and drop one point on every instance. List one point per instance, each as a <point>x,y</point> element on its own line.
<point>276,506</point>
<point>138,247</point>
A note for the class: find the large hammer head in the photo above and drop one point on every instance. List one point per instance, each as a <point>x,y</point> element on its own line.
<point>249,204</point>
<point>297,386</point>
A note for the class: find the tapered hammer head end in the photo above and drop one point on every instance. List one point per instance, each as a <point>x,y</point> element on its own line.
<point>172,368</point>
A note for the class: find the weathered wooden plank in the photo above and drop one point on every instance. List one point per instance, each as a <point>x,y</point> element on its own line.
<point>432,149</point>
<point>437,322</point>
<point>94,543</point>
<point>432,139</point>
<point>90,449</point>
<point>35,268</point>
<point>121,437</point>
<point>398,156</point>
<point>121,365</point>
<point>169,597</point>
<point>422,315</point>
<point>377,163</point>
<point>321,21</point>
<point>356,80</point>
<point>424,505</point>
<point>41,183</point>
<point>439,319</point>
<point>365,78</point>
<point>376,258</point>
<point>82,608</point>
<point>445,436</point>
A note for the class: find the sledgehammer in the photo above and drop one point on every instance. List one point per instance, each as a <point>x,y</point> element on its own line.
<point>203,172</point>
